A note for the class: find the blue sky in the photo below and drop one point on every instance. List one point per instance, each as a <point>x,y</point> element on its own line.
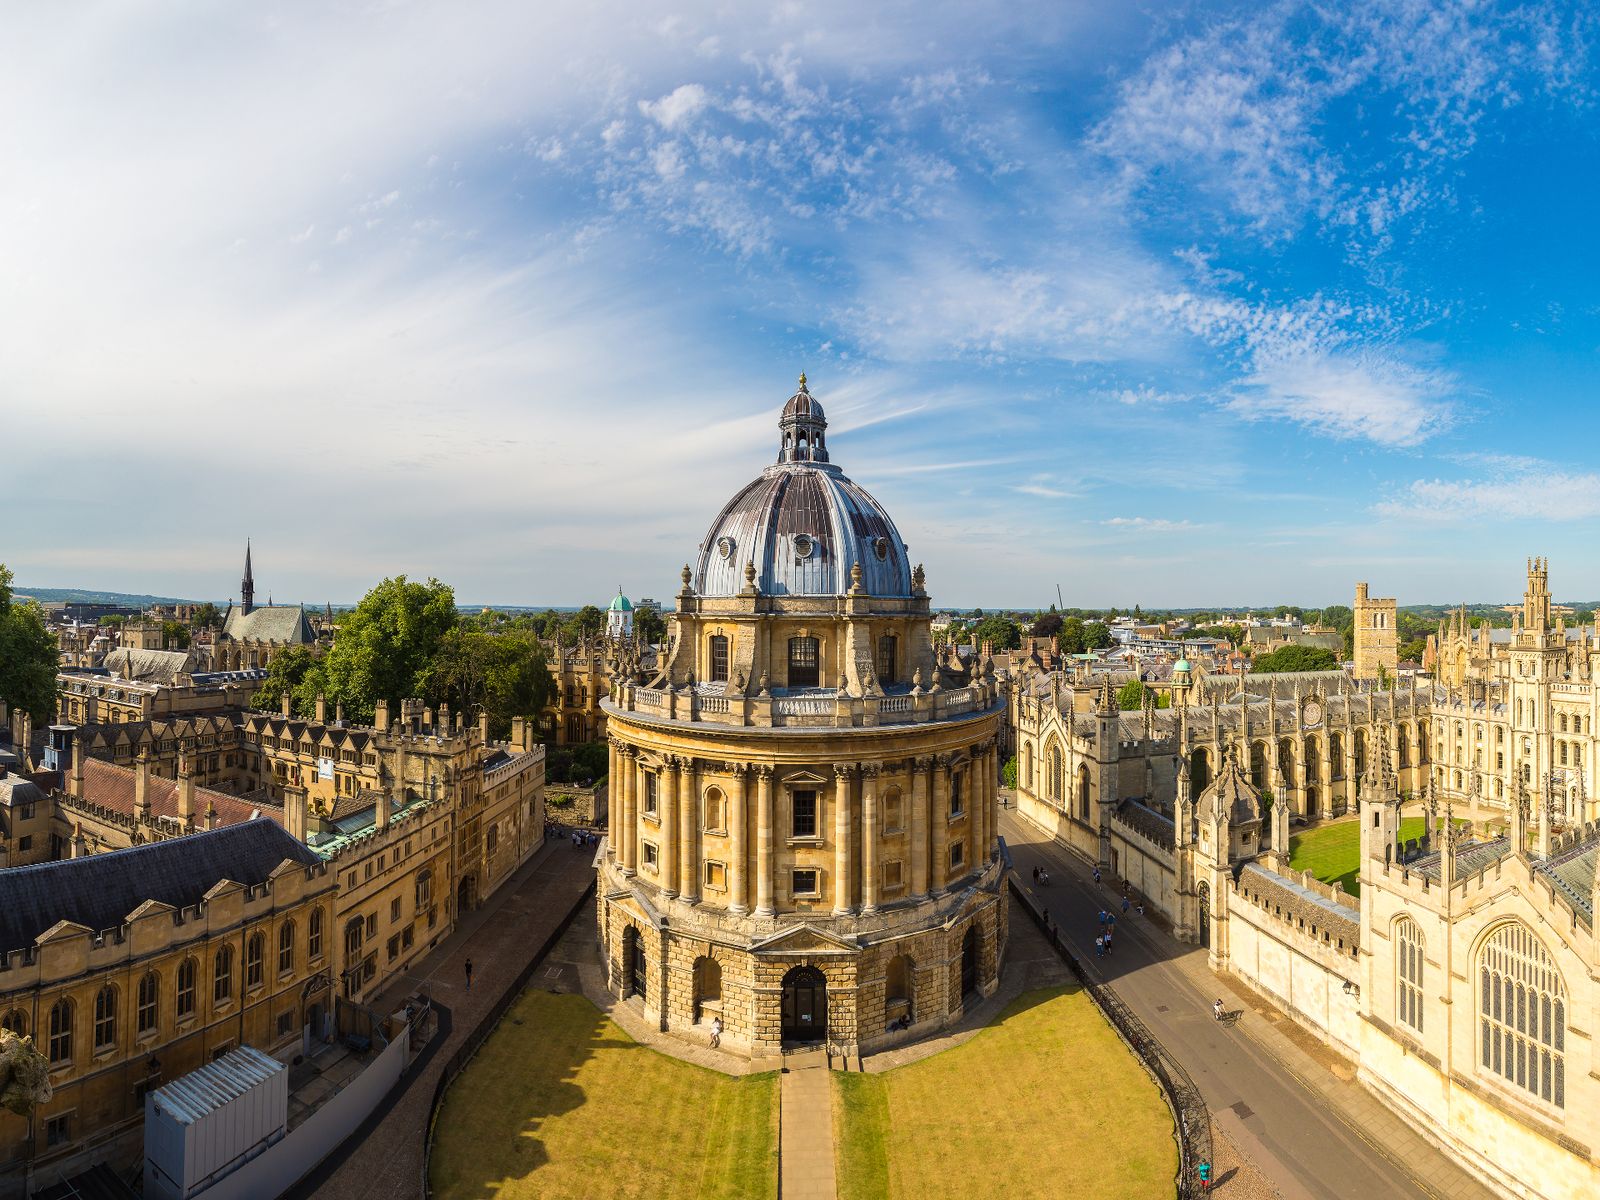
<point>1177,305</point>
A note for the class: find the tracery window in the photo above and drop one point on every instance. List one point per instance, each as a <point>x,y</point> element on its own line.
<point>1055,773</point>
<point>1522,1014</point>
<point>222,976</point>
<point>255,954</point>
<point>1408,973</point>
<point>285,947</point>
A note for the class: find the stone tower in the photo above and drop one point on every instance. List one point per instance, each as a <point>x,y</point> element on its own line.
<point>1377,641</point>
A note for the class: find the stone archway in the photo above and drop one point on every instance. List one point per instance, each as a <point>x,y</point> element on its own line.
<point>1204,929</point>
<point>805,1006</point>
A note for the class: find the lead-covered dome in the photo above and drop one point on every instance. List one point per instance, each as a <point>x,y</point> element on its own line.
<point>803,524</point>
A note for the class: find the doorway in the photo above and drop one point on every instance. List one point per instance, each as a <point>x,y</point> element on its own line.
<point>805,1006</point>
<point>969,962</point>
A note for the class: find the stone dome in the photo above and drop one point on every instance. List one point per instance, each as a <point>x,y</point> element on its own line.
<point>803,524</point>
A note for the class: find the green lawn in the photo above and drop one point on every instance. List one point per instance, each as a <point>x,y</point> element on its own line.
<point>565,1106</point>
<point>1333,852</point>
<point>1045,1102</point>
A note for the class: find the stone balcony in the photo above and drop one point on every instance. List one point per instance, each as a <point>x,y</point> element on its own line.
<point>812,708</point>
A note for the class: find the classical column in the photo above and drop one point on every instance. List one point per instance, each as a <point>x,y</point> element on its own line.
<point>919,827</point>
<point>737,817</point>
<point>689,831</point>
<point>614,781</point>
<point>869,837</point>
<point>668,856</point>
<point>939,821</point>
<point>764,847</point>
<point>630,810</point>
<point>841,838</point>
<point>988,785</point>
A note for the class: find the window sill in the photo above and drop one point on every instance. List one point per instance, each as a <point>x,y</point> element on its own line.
<point>813,840</point>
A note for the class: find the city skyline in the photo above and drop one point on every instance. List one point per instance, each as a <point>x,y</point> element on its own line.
<point>1182,308</point>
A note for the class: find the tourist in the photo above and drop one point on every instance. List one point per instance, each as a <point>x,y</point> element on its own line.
<point>1108,939</point>
<point>716,1032</point>
<point>1204,1170</point>
<point>1100,947</point>
<point>1036,874</point>
<point>469,975</point>
<point>1217,1008</point>
<point>1097,876</point>
<point>1125,906</point>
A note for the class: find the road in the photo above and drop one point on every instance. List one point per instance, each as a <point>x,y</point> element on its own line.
<point>1315,1136</point>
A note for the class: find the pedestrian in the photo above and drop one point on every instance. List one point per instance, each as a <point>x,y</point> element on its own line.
<point>716,1032</point>
<point>1047,918</point>
<point>469,975</point>
<point>1108,939</point>
<point>1125,906</point>
<point>1100,947</point>
<point>1097,875</point>
<point>1036,874</point>
<point>1204,1171</point>
<point>1217,1008</point>
<point>1139,908</point>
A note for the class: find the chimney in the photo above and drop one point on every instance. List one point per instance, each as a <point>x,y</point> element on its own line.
<point>141,786</point>
<point>483,726</point>
<point>519,732</point>
<point>294,812</point>
<point>286,704</point>
<point>322,709</point>
<point>75,778</point>
<point>185,792</point>
<point>380,720</point>
<point>338,713</point>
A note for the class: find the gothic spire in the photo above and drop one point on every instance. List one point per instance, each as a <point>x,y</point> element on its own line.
<point>247,585</point>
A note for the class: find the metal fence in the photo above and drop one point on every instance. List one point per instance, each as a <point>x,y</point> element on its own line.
<point>1189,1111</point>
<point>491,1019</point>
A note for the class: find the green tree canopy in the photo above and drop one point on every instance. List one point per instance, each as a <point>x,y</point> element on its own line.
<point>648,626</point>
<point>1046,624</point>
<point>206,617</point>
<point>288,672</point>
<point>505,674</point>
<point>999,631</point>
<point>386,645</point>
<point>28,655</point>
<point>175,635</point>
<point>1097,636</point>
<point>1294,658</point>
<point>1130,696</point>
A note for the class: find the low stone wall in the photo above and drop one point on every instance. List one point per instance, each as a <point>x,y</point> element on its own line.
<point>588,807</point>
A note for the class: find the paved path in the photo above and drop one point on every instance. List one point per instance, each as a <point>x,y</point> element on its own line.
<point>1315,1135</point>
<point>500,938</point>
<point>805,1122</point>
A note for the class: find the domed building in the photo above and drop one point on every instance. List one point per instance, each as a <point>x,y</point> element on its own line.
<point>803,798</point>
<point>619,617</point>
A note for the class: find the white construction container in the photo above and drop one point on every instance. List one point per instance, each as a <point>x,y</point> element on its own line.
<point>201,1127</point>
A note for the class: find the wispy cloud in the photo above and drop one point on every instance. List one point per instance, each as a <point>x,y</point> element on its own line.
<point>1536,492</point>
<point>1149,525</point>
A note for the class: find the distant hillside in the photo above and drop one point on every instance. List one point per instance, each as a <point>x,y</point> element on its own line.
<point>87,596</point>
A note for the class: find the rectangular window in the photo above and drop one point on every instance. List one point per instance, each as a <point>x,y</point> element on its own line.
<point>58,1130</point>
<point>804,662</point>
<point>652,783</point>
<point>285,1023</point>
<point>888,644</point>
<point>394,910</point>
<point>958,853</point>
<point>805,883</point>
<point>372,924</point>
<point>716,876</point>
<point>650,856</point>
<point>803,805</point>
<point>25,842</point>
<point>891,876</point>
<point>955,794</point>
<point>719,658</point>
<point>394,947</point>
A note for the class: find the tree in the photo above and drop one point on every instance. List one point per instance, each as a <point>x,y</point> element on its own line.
<point>175,635</point>
<point>505,674</point>
<point>1008,774</point>
<point>206,617</point>
<point>28,656</point>
<point>386,645</point>
<point>1130,696</point>
<point>585,623</point>
<point>648,626</point>
<point>1294,658</point>
<point>1045,625</point>
<point>113,620</point>
<point>1097,637</point>
<point>1070,639</point>
<point>1002,633</point>
<point>288,672</point>
<point>1413,651</point>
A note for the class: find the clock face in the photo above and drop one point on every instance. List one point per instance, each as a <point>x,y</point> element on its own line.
<point>1312,712</point>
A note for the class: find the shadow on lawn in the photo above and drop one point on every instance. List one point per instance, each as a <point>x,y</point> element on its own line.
<point>488,1134</point>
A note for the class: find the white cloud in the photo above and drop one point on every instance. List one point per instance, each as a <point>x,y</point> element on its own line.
<point>1362,394</point>
<point>677,108</point>
<point>1149,525</point>
<point>1536,492</point>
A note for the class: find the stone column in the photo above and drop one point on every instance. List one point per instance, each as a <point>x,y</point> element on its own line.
<point>689,831</point>
<point>764,847</point>
<point>668,801</point>
<point>869,837</point>
<point>613,777</point>
<point>919,827</point>
<point>841,838</point>
<point>630,811</point>
<point>939,822</point>
<point>738,816</point>
<point>986,812</point>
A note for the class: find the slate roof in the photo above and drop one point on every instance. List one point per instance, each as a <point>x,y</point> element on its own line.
<point>269,623</point>
<point>1572,873</point>
<point>112,786</point>
<point>148,666</point>
<point>99,891</point>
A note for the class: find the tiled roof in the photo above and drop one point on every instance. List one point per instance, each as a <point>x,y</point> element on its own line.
<point>111,786</point>
<point>270,623</point>
<point>100,890</point>
<point>148,666</point>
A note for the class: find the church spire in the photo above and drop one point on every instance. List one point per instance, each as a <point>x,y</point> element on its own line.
<point>247,585</point>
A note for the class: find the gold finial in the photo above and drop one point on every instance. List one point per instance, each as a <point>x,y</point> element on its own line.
<point>802,381</point>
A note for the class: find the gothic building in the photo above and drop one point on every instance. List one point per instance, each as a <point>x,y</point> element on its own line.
<point>253,635</point>
<point>803,792</point>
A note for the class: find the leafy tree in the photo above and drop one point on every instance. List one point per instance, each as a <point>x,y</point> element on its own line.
<point>28,655</point>
<point>206,617</point>
<point>1008,774</point>
<point>1000,631</point>
<point>1130,696</point>
<point>1413,650</point>
<point>1097,637</point>
<point>1070,639</point>
<point>386,645</point>
<point>1294,658</point>
<point>505,674</point>
<point>113,620</point>
<point>1336,615</point>
<point>585,623</point>
<point>649,626</point>
<point>288,672</point>
<point>1046,624</point>
<point>175,634</point>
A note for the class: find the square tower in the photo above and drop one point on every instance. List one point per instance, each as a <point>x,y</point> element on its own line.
<point>1377,641</point>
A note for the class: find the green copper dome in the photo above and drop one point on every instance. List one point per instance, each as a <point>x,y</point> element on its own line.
<point>620,604</point>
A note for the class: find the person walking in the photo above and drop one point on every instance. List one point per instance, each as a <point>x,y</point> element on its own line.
<point>1097,876</point>
<point>1125,906</point>
<point>1204,1171</point>
<point>1100,947</point>
<point>1217,1008</point>
<point>716,1032</point>
<point>469,975</point>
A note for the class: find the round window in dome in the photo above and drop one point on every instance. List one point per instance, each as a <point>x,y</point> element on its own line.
<point>804,546</point>
<point>880,547</point>
<point>725,547</point>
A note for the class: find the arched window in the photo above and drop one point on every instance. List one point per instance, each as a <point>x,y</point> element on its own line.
<point>805,662</point>
<point>146,1011</point>
<point>61,1031</point>
<point>716,809</point>
<point>16,1021</point>
<point>1083,791</point>
<point>719,659</point>
<point>1055,774</point>
<point>314,935</point>
<point>1027,766</point>
<point>354,931</point>
<point>888,654</point>
<point>285,947</point>
<point>1562,722</point>
<point>1522,1013</point>
<point>186,988</point>
<point>1408,973</point>
<point>255,954</point>
<point>105,1018</point>
<point>222,976</point>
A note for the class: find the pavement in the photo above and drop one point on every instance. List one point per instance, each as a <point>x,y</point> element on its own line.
<point>500,937</point>
<point>805,1129</point>
<point>1310,1129</point>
